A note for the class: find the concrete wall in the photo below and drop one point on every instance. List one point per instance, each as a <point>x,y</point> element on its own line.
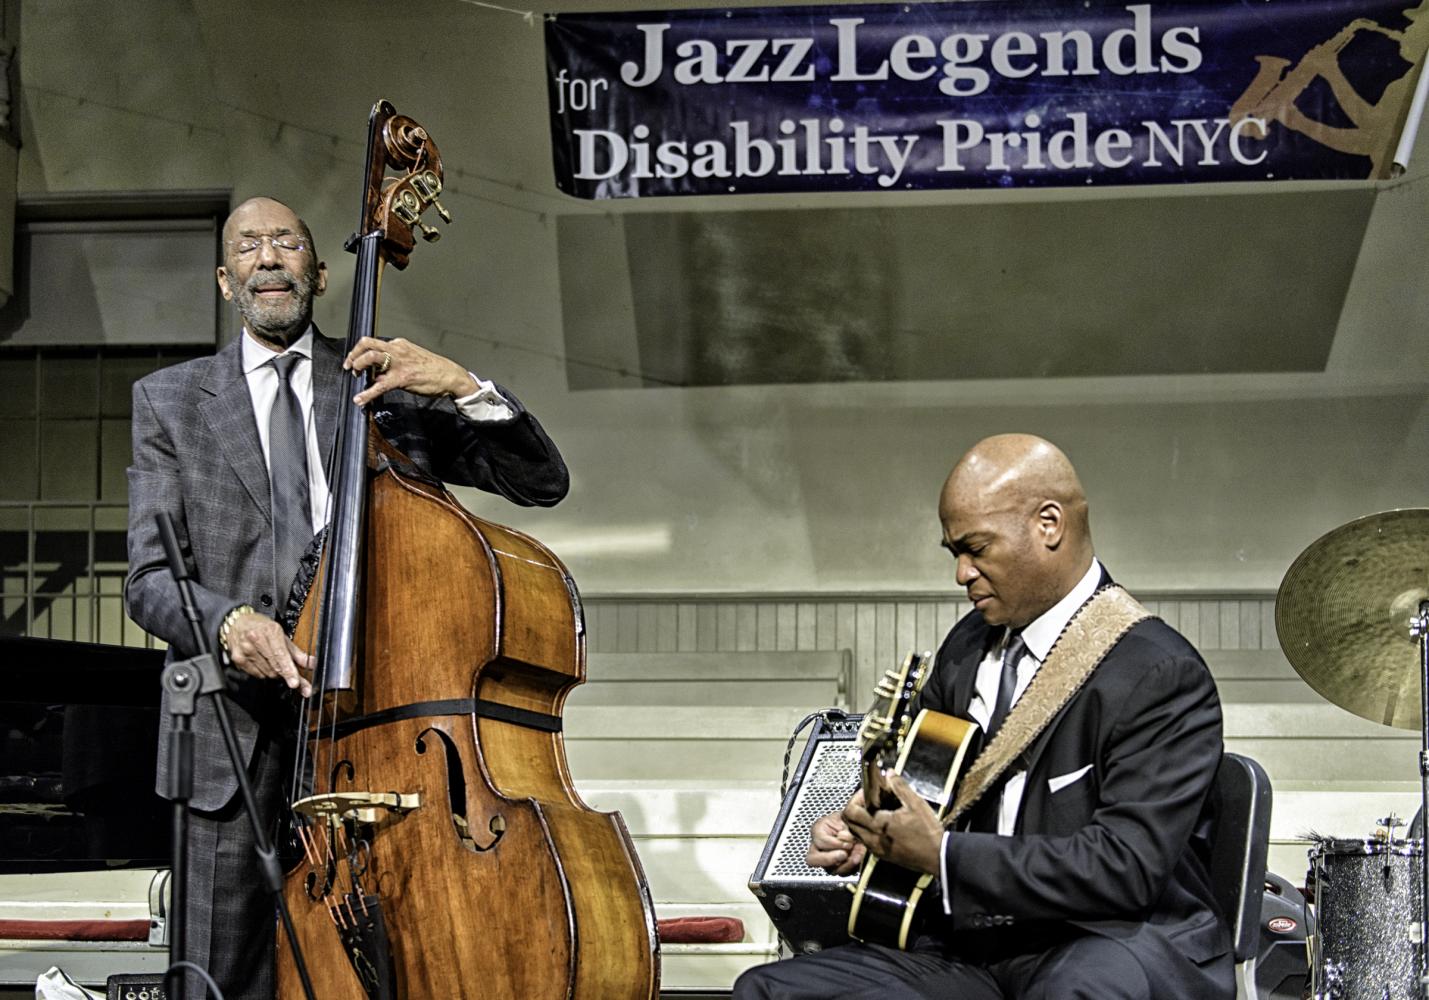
<point>1198,482</point>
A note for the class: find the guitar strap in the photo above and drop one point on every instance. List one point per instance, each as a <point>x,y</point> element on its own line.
<point>1097,626</point>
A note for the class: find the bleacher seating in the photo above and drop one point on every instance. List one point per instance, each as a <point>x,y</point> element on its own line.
<point>689,747</point>
<point>709,767</point>
<point>1334,774</point>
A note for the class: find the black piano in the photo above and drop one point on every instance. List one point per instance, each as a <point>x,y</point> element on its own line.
<point>79,723</point>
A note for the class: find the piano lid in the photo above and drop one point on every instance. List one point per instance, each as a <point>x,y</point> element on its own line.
<point>60,672</point>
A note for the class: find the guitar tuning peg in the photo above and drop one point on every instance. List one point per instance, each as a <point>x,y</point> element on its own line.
<point>446,216</point>
<point>428,233</point>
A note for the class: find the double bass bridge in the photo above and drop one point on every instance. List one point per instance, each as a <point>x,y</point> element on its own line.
<point>361,807</point>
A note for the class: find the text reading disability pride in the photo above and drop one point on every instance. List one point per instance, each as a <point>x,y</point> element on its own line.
<point>816,148</point>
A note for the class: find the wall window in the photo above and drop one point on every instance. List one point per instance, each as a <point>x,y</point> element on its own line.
<point>107,290</point>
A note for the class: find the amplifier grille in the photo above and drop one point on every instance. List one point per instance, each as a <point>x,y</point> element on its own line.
<point>828,783</point>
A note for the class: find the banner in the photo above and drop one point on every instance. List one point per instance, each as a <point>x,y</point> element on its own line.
<point>981,93</point>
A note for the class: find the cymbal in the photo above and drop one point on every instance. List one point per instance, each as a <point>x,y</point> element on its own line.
<point>1343,614</point>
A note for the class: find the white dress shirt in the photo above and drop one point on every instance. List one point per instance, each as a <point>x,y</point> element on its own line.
<point>485,405</point>
<point>1039,637</point>
<point>263,389</point>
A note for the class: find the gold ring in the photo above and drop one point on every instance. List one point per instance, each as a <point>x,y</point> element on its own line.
<point>386,363</point>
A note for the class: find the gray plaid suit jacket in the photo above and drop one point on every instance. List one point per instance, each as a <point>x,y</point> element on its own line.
<point>197,455</point>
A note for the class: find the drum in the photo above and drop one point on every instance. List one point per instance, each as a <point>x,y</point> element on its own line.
<point>1367,894</point>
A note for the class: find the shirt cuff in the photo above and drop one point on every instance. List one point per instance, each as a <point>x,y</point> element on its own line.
<point>943,875</point>
<point>486,405</point>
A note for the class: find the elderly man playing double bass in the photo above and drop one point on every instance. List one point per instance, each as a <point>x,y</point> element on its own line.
<point>1082,872</point>
<point>234,448</point>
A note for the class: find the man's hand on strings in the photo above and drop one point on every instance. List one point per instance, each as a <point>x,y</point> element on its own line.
<point>832,847</point>
<point>401,364</point>
<point>910,836</point>
<point>259,647</point>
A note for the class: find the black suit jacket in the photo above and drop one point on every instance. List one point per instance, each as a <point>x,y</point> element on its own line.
<point>197,455</point>
<point>1112,834</point>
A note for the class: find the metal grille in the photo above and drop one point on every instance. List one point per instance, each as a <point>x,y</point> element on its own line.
<point>827,785</point>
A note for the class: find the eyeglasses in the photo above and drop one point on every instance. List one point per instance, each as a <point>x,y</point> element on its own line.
<point>250,244</point>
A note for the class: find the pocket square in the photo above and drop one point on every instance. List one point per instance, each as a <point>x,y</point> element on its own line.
<point>1055,785</point>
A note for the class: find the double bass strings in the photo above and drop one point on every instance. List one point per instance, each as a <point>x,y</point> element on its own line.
<point>297,787</point>
<point>333,622</point>
<point>313,718</point>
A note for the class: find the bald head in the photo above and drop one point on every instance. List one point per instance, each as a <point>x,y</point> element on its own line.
<point>1015,516</point>
<point>1013,471</point>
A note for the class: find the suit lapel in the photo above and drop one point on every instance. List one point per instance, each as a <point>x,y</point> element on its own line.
<point>1034,753</point>
<point>228,411</point>
<point>327,392</point>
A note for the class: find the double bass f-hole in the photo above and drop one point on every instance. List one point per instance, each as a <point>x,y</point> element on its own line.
<point>456,793</point>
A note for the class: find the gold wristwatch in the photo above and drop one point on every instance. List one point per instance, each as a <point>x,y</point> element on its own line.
<point>229,619</point>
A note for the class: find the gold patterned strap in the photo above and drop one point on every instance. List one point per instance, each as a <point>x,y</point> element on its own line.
<point>1097,626</point>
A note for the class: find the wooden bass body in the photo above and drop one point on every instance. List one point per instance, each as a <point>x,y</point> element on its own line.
<point>442,793</point>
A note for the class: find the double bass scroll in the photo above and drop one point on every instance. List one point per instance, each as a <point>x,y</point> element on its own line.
<point>446,851</point>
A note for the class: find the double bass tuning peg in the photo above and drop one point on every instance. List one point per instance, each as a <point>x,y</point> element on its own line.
<point>429,185</point>
<point>430,233</point>
<point>411,197</point>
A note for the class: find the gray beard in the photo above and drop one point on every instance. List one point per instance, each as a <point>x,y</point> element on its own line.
<point>280,322</point>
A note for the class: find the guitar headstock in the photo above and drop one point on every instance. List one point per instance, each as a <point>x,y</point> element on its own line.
<point>886,724</point>
<point>394,205</point>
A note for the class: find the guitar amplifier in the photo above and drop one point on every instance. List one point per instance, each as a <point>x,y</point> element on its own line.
<point>808,906</point>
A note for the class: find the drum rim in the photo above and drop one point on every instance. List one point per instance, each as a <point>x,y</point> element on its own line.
<point>1364,846</point>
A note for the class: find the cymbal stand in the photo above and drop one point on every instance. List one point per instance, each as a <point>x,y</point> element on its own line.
<point>1419,629</point>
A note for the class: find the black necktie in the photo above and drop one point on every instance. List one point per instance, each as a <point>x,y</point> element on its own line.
<point>288,472</point>
<point>1008,682</point>
<point>983,816</point>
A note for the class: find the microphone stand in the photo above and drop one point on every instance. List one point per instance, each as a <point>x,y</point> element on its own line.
<point>186,681</point>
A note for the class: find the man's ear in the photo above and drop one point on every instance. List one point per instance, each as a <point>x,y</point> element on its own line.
<point>223,284</point>
<point>1051,523</point>
<point>321,285</point>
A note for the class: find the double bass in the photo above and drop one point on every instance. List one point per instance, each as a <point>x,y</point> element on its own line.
<point>444,849</point>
